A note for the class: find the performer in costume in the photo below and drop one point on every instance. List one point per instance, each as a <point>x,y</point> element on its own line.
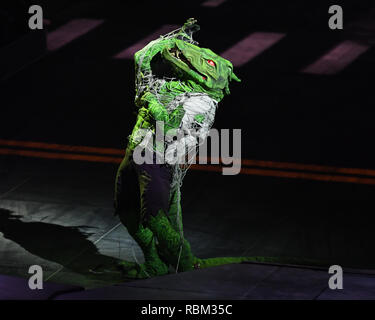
<point>178,88</point>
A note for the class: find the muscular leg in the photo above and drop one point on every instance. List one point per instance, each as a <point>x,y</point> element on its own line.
<point>153,265</point>
<point>168,228</point>
<point>172,247</point>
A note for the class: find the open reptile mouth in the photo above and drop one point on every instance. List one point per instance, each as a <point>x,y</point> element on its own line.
<point>176,53</point>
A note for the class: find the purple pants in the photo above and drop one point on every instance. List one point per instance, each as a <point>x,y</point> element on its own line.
<point>144,188</point>
<point>155,187</point>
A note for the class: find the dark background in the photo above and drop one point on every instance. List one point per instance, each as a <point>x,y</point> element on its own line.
<point>80,95</point>
<point>289,116</point>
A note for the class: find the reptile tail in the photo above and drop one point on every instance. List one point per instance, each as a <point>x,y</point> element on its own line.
<point>213,262</point>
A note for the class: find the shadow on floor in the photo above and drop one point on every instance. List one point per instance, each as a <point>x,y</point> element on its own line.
<point>67,246</point>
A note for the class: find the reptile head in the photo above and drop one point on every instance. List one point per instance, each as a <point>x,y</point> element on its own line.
<point>201,65</point>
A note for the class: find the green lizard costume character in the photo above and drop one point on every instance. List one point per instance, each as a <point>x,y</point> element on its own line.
<point>178,87</point>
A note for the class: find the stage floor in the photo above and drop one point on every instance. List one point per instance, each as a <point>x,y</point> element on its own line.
<point>246,281</point>
<point>59,215</point>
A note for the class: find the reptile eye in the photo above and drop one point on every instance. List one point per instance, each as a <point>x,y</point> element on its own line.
<point>211,63</point>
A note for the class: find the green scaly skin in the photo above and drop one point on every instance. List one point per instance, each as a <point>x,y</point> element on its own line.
<point>153,265</point>
<point>195,74</point>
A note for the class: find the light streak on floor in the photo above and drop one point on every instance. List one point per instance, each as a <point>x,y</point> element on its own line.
<point>337,59</point>
<point>69,32</point>
<point>251,46</point>
<point>128,53</point>
<point>300,170</point>
<point>212,3</point>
